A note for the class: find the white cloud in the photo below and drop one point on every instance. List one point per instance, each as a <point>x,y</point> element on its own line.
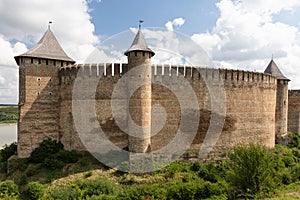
<point>246,36</point>
<point>26,22</point>
<point>177,22</point>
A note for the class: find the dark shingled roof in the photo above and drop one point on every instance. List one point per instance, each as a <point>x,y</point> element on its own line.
<point>139,44</point>
<point>275,71</point>
<point>48,47</point>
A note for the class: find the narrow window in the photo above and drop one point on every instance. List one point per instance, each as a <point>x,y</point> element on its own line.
<point>54,62</point>
<point>143,53</point>
<point>135,53</point>
<point>62,63</point>
<point>39,61</point>
<point>47,62</point>
<point>31,60</point>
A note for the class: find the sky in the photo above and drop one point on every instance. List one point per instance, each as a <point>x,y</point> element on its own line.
<point>239,34</point>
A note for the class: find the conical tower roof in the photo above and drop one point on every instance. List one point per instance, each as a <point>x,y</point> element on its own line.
<point>48,47</point>
<point>139,44</point>
<point>275,71</point>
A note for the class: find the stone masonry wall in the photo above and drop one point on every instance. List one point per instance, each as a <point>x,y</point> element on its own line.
<point>38,103</point>
<point>250,100</point>
<point>294,111</point>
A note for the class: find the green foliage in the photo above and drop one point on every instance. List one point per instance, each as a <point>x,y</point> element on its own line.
<point>33,191</point>
<point>8,189</point>
<point>46,149</point>
<point>8,114</point>
<point>144,191</point>
<point>295,140</point>
<point>97,187</point>
<point>64,192</point>
<point>67,156</point>
<point>8,151</point>
<point>251,171</point>
<point>53,164</point>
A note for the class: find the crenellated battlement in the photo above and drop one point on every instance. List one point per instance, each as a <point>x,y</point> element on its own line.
<point>190,72</point>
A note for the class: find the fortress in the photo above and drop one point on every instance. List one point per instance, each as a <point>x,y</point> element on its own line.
<point>259,107</point>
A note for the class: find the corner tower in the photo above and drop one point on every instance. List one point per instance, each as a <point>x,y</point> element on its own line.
<point>281,112</point>
<point>139,58</point>
<point>39,92</point>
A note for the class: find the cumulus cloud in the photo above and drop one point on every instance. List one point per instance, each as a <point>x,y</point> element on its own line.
<point>23,23</point>
<point>177,22</point>
<point>246,35</point>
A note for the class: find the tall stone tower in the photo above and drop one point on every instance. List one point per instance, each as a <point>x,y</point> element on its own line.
<point>39,92</point>
<point>139,59</point>
<point>281,113</point>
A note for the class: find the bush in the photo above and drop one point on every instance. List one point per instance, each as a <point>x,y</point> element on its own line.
<point>53,164</point>
<point>67,156</point>
<point>97,187</point>
<point>46,149</point>
<point>145,191</point>
<point>33,191</point>
<point>63,192</point>
<point>295,140</point>
<point>8,189</point>
<point>8,151</point>
<point>252,171</point>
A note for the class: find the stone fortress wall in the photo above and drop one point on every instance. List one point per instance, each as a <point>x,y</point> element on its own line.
<point>250,104</point>
<point>256,105</point>
<point>294,111</point>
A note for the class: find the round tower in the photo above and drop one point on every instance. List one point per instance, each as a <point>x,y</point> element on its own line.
<point>139,55</point>
<point>281,111</point>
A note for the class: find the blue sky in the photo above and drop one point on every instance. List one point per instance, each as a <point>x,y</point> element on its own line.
<point>113,16</point>
<point>241,34</point>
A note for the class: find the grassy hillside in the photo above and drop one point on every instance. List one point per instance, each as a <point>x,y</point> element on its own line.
<point>248,172</point>
<point>8,114</point>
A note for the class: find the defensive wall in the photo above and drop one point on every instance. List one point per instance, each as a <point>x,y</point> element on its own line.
<point>294,111</point>
<point>250,99</point>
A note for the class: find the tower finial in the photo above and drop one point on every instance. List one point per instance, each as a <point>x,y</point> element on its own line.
<point>140,23</point>
<point>272,56</point>
<point>49,23</point>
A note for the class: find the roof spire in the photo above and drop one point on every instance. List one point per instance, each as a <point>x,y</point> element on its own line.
<point>139,43</point>
<point>140,23</point>
<point>275,71</point>
<point>49,24</point>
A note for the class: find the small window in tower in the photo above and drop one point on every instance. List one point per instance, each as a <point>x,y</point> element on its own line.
<point>38,79</point>
<point>47,62</point>
<point>50,79</point>
<point>31,60</point>
<point>38,93</point>
<point>50,93</point>
<point>40,61</point>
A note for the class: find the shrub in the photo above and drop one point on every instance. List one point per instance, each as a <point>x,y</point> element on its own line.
<point>53,164</point>
<point>252,170</point>
<point>145,191</point>
<point>295,140</point>
<point>33,191</point>
<point>8,151</point>
<point>67,156</point>
<point>8,189</point>
<point>97,187</point>
<point>63,192</point>
<point>46,149</point>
